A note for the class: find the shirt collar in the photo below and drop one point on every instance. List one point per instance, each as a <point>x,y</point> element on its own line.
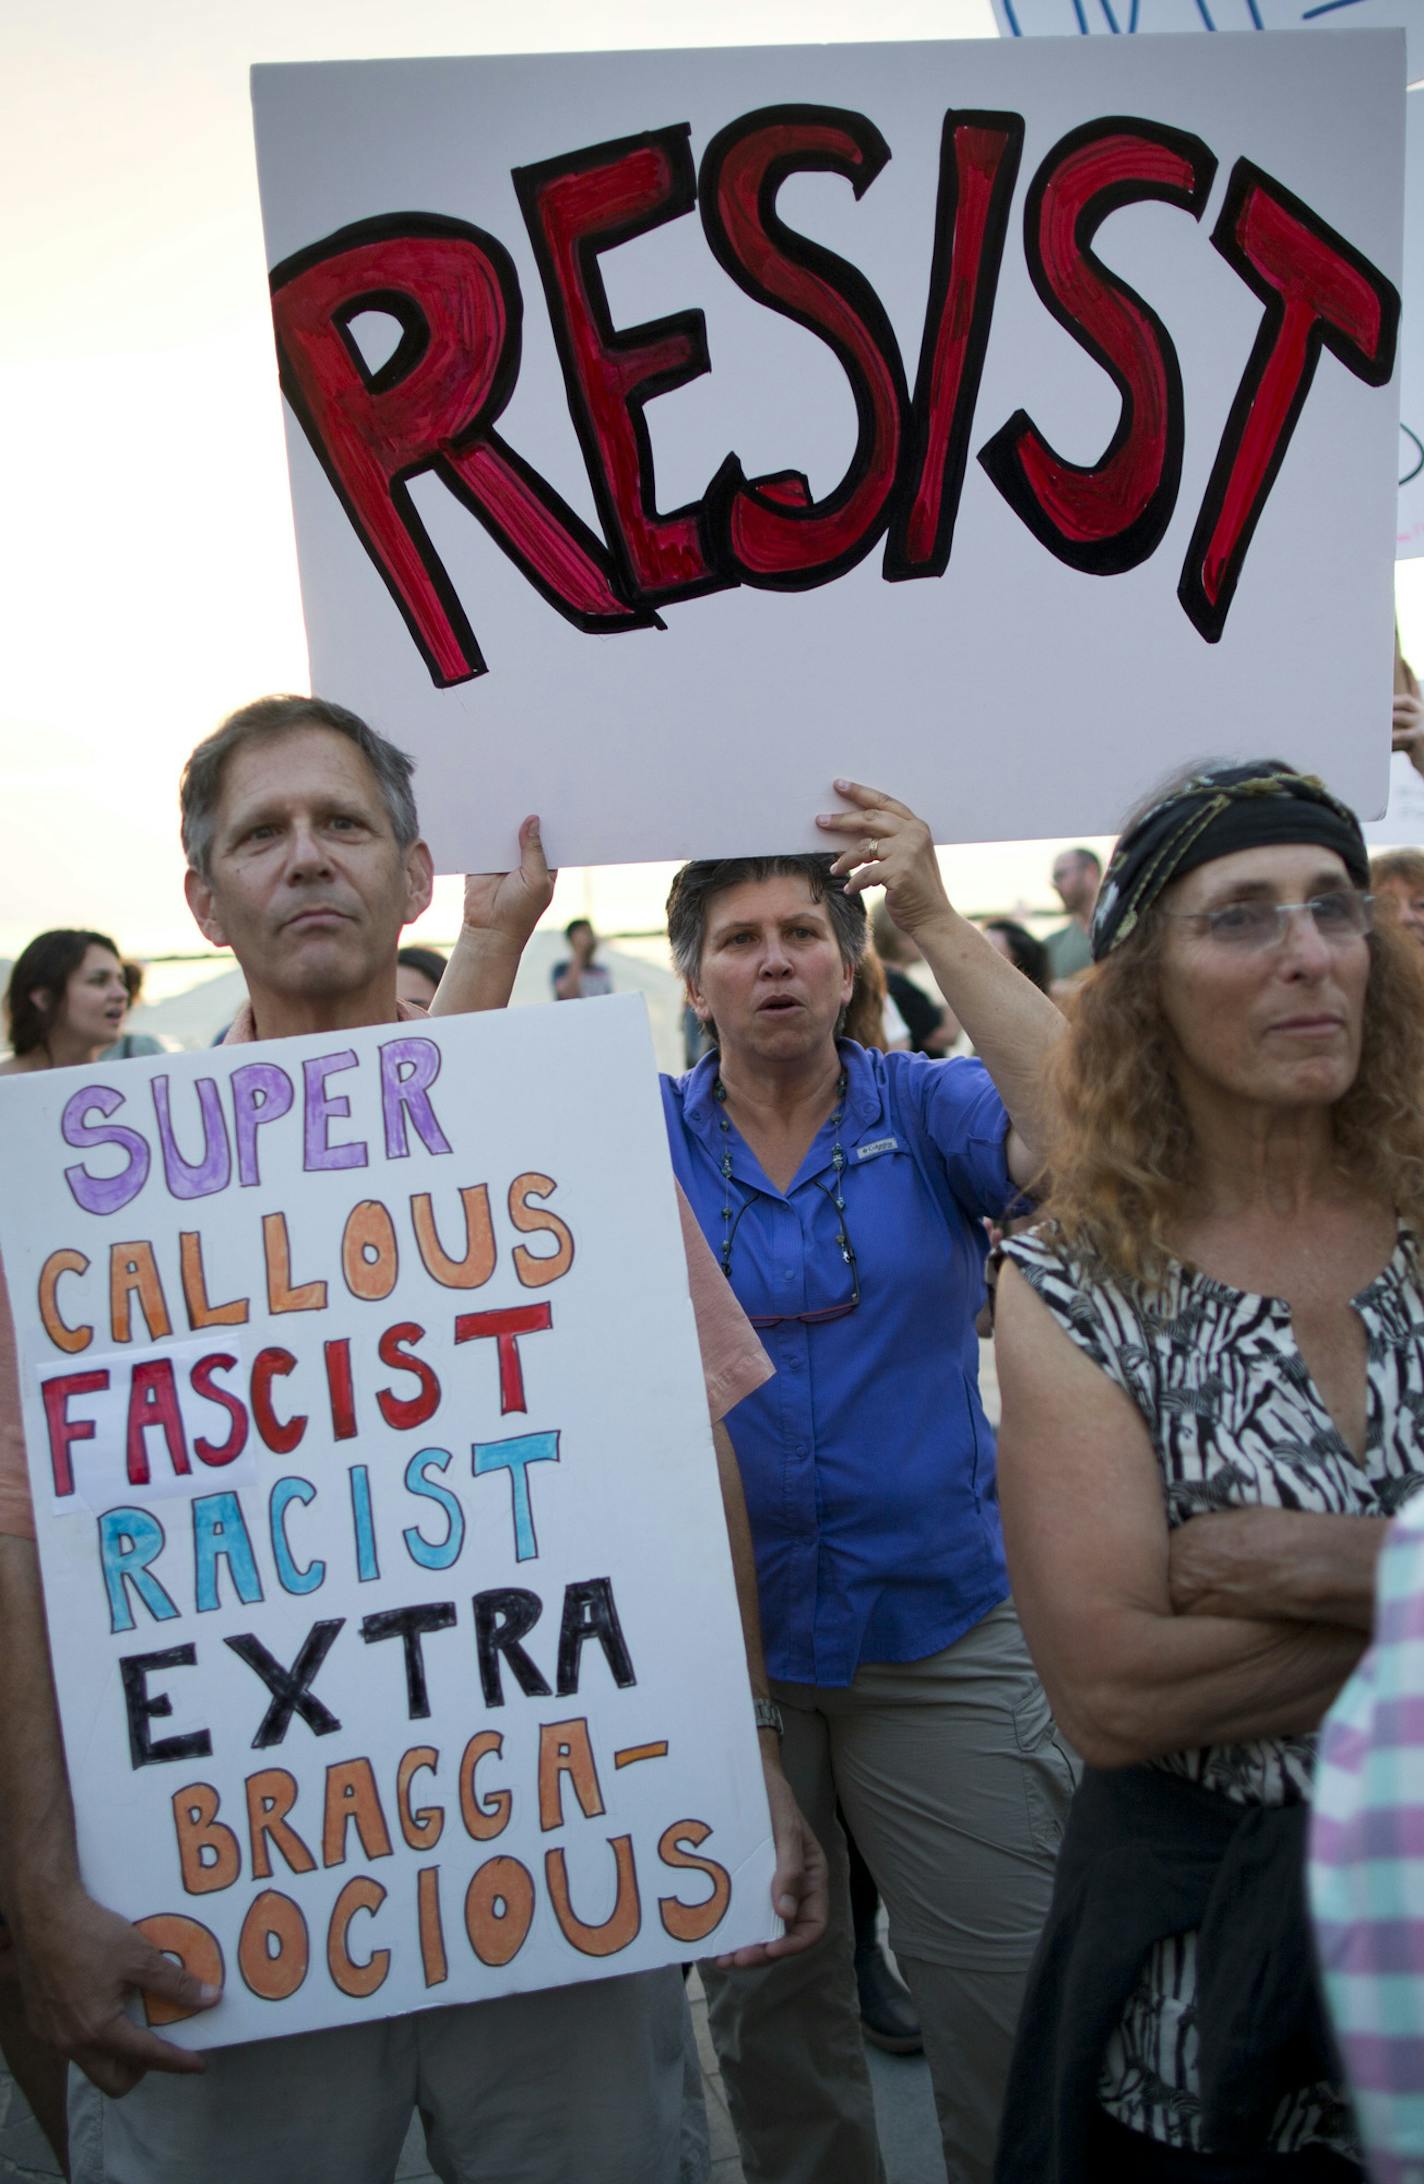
<point>863,1097</point>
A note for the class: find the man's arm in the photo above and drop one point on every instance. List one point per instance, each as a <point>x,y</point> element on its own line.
<point>79,1963</point>
<point>799,1890</point>
<point>501,911</point>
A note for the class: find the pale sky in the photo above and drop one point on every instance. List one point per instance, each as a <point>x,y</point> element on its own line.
<point>147,562</point>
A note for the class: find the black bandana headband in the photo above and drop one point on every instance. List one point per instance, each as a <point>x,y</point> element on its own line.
<point>1223,809</point>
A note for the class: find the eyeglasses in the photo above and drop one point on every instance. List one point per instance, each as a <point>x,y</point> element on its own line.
<point>1344,914</point>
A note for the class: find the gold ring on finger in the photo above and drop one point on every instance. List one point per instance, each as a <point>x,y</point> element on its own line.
<point>872,847</point>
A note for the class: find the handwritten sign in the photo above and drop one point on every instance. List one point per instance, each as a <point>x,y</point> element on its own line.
<point>670,433</point>
<point>387,1581</point>
<point>1119,18</point>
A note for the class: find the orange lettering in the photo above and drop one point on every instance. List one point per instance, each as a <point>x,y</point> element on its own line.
<point>195,1288</point>
<point>133,1272</point>
<point>622,1924</point>
<point>277,1250</point>
<point>692,1922</point>
<point>533,1271</point>
<point>208,1852</point>
<point>476,1267</point>
<point>361,1894</point>
<point>64,1337</point>
<point>499,1906</point>
<point>351,1795</point>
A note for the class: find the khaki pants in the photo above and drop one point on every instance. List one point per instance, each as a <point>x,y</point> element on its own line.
<point>573,2085</point>
<point>956,1787</point>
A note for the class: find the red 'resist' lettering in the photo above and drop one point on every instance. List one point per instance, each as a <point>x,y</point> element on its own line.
<point>1112,515</point>
<point>770,531</point>
<point>575,207</point>
<point>432,406</point>
<point>1319,293</point>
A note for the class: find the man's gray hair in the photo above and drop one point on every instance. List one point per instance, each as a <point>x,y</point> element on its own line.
<point>201,787</point>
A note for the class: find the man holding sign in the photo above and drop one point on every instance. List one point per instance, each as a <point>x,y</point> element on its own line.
<point>305,858</point>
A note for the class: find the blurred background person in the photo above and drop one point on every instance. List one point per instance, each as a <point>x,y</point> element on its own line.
<point>418,974</point>
<point>930,1025</point>
<point>131,1043</point>
<point>66,1001</point>
<point>1408,709</point>
<point>1077,874</point>
<point>1397,883</point>
<point>578,977</point>
<point>1024,952</point>
<point>871,1017</point>
<point>1211,1359</point>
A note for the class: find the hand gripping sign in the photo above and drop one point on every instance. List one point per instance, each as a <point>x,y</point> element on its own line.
<point>388,1587</point>
<point>819,377</point>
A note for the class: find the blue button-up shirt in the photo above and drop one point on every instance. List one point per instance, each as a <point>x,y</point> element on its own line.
<point>868,1462</point>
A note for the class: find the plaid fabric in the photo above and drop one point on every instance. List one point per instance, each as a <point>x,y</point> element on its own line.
<point>1367,1865</point>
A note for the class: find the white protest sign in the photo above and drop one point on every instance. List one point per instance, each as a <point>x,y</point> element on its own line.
<point>1117,18</point>
<point>1002,423</point>
<point>1402,826</point>
<point>1129,18</point>
<point>386,1575</point>
<point>1411,360</point>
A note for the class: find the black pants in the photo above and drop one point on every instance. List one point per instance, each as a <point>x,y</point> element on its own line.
<point>1130,2157</point>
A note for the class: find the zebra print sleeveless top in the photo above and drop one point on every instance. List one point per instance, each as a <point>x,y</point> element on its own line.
<point>1236,1421</point>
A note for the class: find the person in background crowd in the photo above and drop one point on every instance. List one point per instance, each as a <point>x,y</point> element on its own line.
<point>1366,1827</point>
<point>1211,1359</point>
<point>871,1017</point>
<point>418,975</point>
<point>1076,877</point>
<point>66,1001</point>
<point>931,1026</point>
<point>578,977</point>
<point>1408,710</point>
<point>1397,882</point>
<point>130,1044</point>
<point>65,1004</point>
<point>301,833</point>
<point>1024,952</point>
<point>841,1189</point>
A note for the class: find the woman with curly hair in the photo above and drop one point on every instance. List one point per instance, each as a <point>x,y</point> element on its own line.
<point>1211,1353</point>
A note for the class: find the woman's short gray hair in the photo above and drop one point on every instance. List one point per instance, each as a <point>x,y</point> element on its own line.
<point>201,787</point>
<point>694,887</point>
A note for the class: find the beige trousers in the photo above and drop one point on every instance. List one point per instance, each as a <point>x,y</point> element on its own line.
<point>956,1786</point>
<point>573,2085</point>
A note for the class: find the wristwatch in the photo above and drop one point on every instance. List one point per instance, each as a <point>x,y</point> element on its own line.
<point>767,1715</point>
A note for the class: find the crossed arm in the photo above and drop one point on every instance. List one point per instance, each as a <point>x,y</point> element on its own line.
<point>1236,1626</point>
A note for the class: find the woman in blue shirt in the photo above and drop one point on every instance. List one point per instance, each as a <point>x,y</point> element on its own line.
<point>843,1191</point>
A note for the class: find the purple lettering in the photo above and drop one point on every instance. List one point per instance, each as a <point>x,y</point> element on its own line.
<point>261,1093</point>
<point>103,1193</point>
<point>408,1069</point>
<point>187,1178</point>
<point>319,1108</point>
